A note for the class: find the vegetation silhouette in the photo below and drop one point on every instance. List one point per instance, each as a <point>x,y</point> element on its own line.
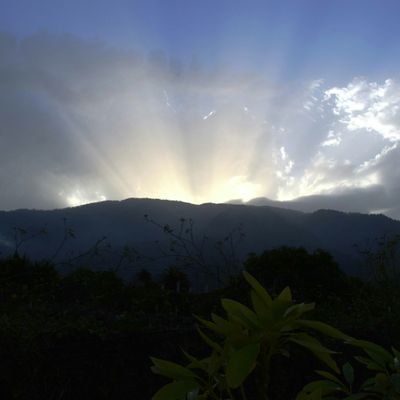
<point>60,330</point>
<point>249,339</point>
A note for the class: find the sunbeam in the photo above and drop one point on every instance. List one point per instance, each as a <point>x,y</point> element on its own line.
<point>269,101</point>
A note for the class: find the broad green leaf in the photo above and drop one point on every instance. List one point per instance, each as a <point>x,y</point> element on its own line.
<point>171,369</point>
<point>322,328</point>
<point>298,309</point>
<point>316,348</point>
<point>209,364</point>
<point>376,352</point>
<point>323,387</point>
<point>264,313</point>
<point>258,305</point>
<point>190,357</point>
<point>377,358</point>
<point>258,288</point>
<point>196,363</point>
<point>239,310</point>
<point>224,326</point>
<point>367,384</point>
<point>348,373</point>
<point>240,364</point>
<point>315,395</point>
<point>310,342</point>
<point>211,325</point>
<point>176,390</point>
<point>329,376</point>
<point>286,294</point>
<point>370,364</point>
<point>238,339</point>
<point>214,363</point>
<point>278,310</point>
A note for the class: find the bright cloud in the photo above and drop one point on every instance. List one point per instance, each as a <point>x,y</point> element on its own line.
<point>369,105</point>
<point>333,139</point>
<point>83,122</point>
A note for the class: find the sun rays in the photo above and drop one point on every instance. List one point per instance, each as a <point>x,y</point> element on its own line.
<point>116,125</point>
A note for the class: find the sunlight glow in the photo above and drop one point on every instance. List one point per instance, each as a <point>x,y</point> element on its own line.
<point>216,140</point>
<point>77,198</point>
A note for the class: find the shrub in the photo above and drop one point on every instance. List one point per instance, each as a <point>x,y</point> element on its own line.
<point>245,345</point>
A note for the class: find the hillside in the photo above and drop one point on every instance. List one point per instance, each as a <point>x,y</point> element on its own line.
<point>123,223</point>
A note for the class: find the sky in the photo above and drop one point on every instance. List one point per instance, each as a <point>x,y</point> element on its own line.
<point>200,101</point>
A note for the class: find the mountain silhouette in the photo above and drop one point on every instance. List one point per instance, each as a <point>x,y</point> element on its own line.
<point>124,223</point>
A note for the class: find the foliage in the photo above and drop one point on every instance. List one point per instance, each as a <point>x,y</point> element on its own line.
<point>383,384</point>
<point>87,334</point>
<point>249,339</point>
<point>313,276</point>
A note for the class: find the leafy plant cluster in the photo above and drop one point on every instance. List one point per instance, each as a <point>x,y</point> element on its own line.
<point>88,334</point>
<point>250,338</point>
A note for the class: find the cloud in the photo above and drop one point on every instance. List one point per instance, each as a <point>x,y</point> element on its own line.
<point>373,198</point>
<point>82,121</point>
<point>353,165</point>
<point>333,139</point>
<point>370,106</point>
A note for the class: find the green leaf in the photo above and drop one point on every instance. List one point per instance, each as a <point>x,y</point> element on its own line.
<point>285,295</point>
<point>315,395</point>
<point>377,358</point>
<point>348,373</point>
<point>211,325</point>
<point>316,348</point>
<point>376,352</point>
<point>240,311</point>
<point>369,383</point>
<point>196,363</point>
<point>258,288</point>
<point>210,342</point>
<point>171,369</point>
<point>176,390</point>
<point>310,342</point>
<point>370,364</point>
<point>298,309</point>
<point>278,310</point>
<point>323,328</point>
<point>240,364</point>
<point>189,357</point>
<point>258,305</point>
<point>329,376</point>
<point>323,387</point>
<point>225,327</point>
<point>214,363</point>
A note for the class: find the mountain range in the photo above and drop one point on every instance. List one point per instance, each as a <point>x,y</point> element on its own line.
<point>157,231</point>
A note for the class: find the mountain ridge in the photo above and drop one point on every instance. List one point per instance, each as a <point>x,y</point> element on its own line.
<point>265,227</point>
